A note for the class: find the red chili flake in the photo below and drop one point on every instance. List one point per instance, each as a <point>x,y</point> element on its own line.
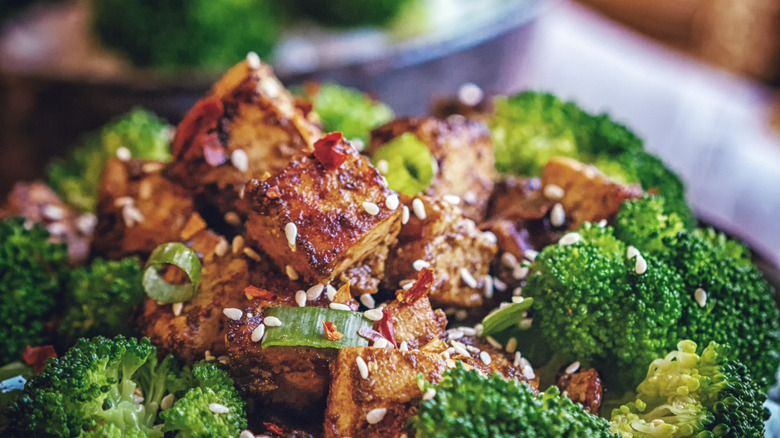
<point>385,326</point>
<point>273,193</point>
<point>420,288</point>
<point>36,356</point>
<point>369,334</point>
<point>273,428</point>
<point>332,150</point>
<point>256,292</point>
<point>331,331</point>
<point>201,119</point>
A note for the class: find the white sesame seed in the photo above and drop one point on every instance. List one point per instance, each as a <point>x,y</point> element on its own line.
<point>511,345</point>
<point>371,208</point>
<point>57,229</point>
<point>272,321</point>
<point>52,212</point>
<point>419,265</point>
<point>368,300</point>
<point>701,297</point>
<point>292,274</point>
<point>242,192</point>
<point>152,167</point>
<point>314,292</point>
<point>123,153</point>
<point>451,199</point>
<point>509,260</point>
<point>238,244</point>
<point>569,239</point>
<point>300,298</point>
<point>498,284</point>
<point>526,323</point>
<point>528,372</point>
<point>208,356</point>
<point>330,292</point>
<point>557,215</point>
<point>632,252</point>
<point>461,314</point>
<point>131,216</point>
<point>240,160</point>
<point>454,334</point>
<point>177,307</point>
<point>362,367</point>
<point>530,254</point>
<point>517,298</point>
<point>252,254</point>
<point>291,233</point>
<point>373,314</point>
<point>419,209</point>
<point>478,329</point>
<point>490,236</point>
<point>258,332</point>
<point>468,331</point>
<point>493,342</point>
<point>218,408</point>
<point>554,192</point>
<point>381,343</point>
<point>246,434</point>
<point>339,306</point>
<point>429,394</point>
<point>520,272</point>
<point>167,402</point>
<point>485,357</point>
<point>602,223</point>
<point>233,313</point>
<point>86,223</point>
<point>359,146</point>
<point>473,349</point>
<point>467,278</point>
<point>518,356</point>
<point>270,87</point>
<point>123,201</point>
<point>573,368</point>
<point>253,61</point>
<point>232,218</point>
<point>221,247</point>
<point>392,202</point>
<point>460,348</point>
<point>641,265</point>
<point>470,94</point>
<point>404,346</point>
<point>374,416</point>
<point>404,215</point>
<point>383,166</point>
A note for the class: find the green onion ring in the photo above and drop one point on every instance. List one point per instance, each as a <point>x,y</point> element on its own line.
<point>172,253</point>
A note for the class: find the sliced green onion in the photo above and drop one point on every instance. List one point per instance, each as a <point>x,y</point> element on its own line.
<point>501,319</point>
<point>410,164</point>
<point>176,254</point>
<point>302,326</point>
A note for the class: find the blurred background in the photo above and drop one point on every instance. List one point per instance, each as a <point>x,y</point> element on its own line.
<point>697,79</point>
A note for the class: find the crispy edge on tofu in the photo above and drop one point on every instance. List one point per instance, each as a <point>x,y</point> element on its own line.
<point>417,323</point>
<point>451,245</point>
<point>463,150</point>
<point>498,360</point>
<point>138,208</point>
<point>391,384</point>
<point>589,195</point>
<point>330,211</point>
<point>584,387</point>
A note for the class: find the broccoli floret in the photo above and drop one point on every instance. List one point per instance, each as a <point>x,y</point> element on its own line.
<point>647,223</point>
<point>115,387</point>
<point>469,404</point>
<point>100,299</point>
<point>687,394</point>
<point>530,128</point>
<point>76,178</point>
<point>32,271</point>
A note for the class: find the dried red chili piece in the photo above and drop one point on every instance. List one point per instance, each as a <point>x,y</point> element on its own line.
<point>385,326</point>
<point>256,292</point>
<point>331,331</point>
<point>331,150</point>
<point>201,119</point>
<point>273,193</point>
<point>36,356</point>
<point>273,428</point>
<point>420,288</point>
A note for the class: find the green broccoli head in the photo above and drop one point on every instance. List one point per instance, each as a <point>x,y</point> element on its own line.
<point>646,223</point>
<point>76,178</point>
<point>32,274</point>
<point>469,404</point>
<point>690,394</point>
<point>116,387</point>
<point>531,127</point>
<point>100,299</point>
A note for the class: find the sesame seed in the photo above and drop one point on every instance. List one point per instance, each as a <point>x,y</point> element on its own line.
<point>358,144</point>
<point>381,343</point>
<point>339,306</point>
<point>292,274</point>
<point>238,244</point>
<point>232,218</point>
<point>485,357</point>
<point>419,209</point>
<point>419,265</point>
<point>511,345</point>
<point>258,332</point>
<point>123,153</point>
<point>86,223</point>
<point>461,314</point>
<point>554,192</point>
<point>517,291</point>
<point>314,292</point>
<point>368,300</point>
<point>52,212</point>
<point>468,331</point>
<point>272,321</point>
<point>242,192</point>
<point>641,265</point>
<point>518,356</point>
<point>300,298</point>
<point>487,286</point>
<point>430,393</point>
<point>478,329</point>
<point>509,260</point>
<point>177,307</point>
<point>373,314</point>
<point>404,215</point>
<point>528,372</point>
<point>253,61</point>
<point>362,367</point>
<point>383,166</point>
<point>498,284</point>
<point>218,408</point>
<point>460,348</point>
<point>530,254</point>
<point>374,416</point>
<point>371,208</point>
<point>526,323</point>
<point>222,247</point>
<point>330,292</point>
<point>57,229</point>
<point>632,252</point>
<point>467,278</point>
<point>557,215</point>
<point>451,199</point>
<point>246,434</point>
<point>470,94</point>
<point>240,160</point>
<point>569,239</point>
<point>701,297</point>
<point>490,236</point>
<point>573,368</point>
<point>123,201</point>
<point>233,313</point>
<point>404,346</point>
<point>270,87</point>
<point>152,167</point>
<point>167,402</point>
<point>392,202</point>
<point>131,216</point>
<point>291,233</point>
<point>517,298</point>
<point>454,334</point>
<point>252,254</point>
<point>493,342</point>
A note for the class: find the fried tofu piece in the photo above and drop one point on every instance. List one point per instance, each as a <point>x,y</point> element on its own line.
<point>337,212</point>
<point>463,150</point>
<point>583,387</point>
<point>138,208</point>
<point>36,202</point>
<point>488,359</point>
<point>451,245</point>
<point>588,194</point>
<point>416,323</point>
<point>246,126</point>
<point>364,277</point>
<point>391,384</point>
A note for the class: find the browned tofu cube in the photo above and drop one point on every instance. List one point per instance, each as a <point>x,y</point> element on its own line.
<point>138,208</point>
<point>380,404</point>
<point>463,150</point>
<point>416,323</point>
<point>364,277</point>
<point>583,387</point>
<point>587,194</point>
<point>320,219</point>
<point>451,245</point>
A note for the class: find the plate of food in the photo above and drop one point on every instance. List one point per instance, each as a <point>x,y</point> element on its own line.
<point>309,264</point>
